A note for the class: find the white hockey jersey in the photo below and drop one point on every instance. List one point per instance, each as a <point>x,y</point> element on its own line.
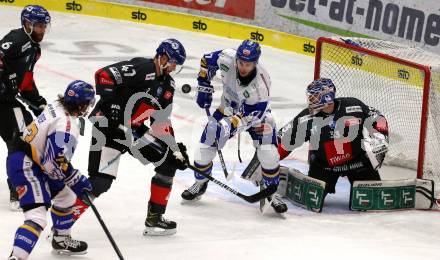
<point>53,136</point>
<point>250,102</point>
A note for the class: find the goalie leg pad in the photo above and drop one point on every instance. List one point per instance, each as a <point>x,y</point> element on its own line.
<point>392,195</point>
<point>305,191</point>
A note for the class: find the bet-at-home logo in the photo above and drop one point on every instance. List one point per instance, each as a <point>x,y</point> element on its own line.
<point>7,1</point>
<point>73,6</point>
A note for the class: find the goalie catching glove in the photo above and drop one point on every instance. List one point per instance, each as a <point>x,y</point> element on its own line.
<point>376,147</point>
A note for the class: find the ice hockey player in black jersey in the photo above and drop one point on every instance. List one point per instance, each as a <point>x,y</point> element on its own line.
<point>346,137</point>
<point>19,51</point>
<point>132,92</point>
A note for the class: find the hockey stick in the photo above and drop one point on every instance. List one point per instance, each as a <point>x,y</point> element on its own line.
<point>27,102</point>
<point>149,140</point>
<point>253,165</point>
<point>238,148</point>
<point>104,227</point>
<point>219,152</point>
<point>251,198</point>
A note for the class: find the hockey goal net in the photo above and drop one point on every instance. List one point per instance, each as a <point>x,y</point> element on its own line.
<point>403,83</point>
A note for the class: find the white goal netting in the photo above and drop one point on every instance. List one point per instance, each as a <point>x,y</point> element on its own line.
<point>392,78</point>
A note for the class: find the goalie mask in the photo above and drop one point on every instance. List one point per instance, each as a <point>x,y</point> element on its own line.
<point>320,94</point>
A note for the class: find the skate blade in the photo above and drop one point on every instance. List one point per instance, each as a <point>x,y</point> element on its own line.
<point>155,231</point>
<point>196,199</point>
<point>67,252</point>
<point>265,205</point>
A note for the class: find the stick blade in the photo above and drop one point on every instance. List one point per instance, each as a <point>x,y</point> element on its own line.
<point>261,194</point>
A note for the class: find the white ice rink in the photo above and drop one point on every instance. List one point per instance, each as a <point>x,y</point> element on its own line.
<point>220,226</point>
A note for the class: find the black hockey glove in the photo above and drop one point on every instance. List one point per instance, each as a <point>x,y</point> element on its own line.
<point>179,159</point>
<point>8,88</point>
<point>17,144</point>
<point>37,106</point>
<point>114,115</point>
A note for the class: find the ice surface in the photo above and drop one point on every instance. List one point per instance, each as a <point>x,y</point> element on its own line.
<point>220,226</point>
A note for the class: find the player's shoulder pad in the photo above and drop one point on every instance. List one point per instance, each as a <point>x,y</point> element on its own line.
<point>209,60</point>
<point>15,42</point>
<point>263,76</point>
<point>146,66</point>
<point>226,60</point>
<point>62,122</point>
<point>304,116</point>
<point>351,105</point>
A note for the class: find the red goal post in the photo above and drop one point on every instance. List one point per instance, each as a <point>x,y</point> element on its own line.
<point>402,82</point>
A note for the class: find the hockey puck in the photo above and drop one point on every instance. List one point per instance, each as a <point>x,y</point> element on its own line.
<point>186,88</point>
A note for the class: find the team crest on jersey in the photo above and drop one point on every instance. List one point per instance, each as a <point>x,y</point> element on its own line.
<point>167,95</point>
<point>353,109</point>
<point>352,121</point>
<point>332,124</point>
<point>21,190</point>
<point>224,67</point>
<point>159,91</point>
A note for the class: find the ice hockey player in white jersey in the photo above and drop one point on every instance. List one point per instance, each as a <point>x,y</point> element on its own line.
<point>244,107</point>
<point>40,170</point>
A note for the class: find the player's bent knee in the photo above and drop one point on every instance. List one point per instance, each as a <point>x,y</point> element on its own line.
<point>205,154</point>
<point>65,198</point>
<point>36,216</point>
<point>165,174</point>
<point>268,156</point>
<point>101,183</point>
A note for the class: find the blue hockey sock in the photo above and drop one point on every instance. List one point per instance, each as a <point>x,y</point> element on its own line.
<point>62,220</point>
<point>25,239</point>
<point>202,168</point>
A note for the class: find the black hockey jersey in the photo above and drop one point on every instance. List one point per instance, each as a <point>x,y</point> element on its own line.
<point>134,86</point>
<point>335,139</point>
<point>18,55</point>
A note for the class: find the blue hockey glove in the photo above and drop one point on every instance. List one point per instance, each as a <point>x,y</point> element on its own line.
<point>78,183</point>
<point>204,95</point>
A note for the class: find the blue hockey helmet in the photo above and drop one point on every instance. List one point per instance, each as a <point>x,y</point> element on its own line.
<point>173,49</point>
<point>79,93</point>
<point>35,14</point>
<point>249,51</point>
<point>320,93</point>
